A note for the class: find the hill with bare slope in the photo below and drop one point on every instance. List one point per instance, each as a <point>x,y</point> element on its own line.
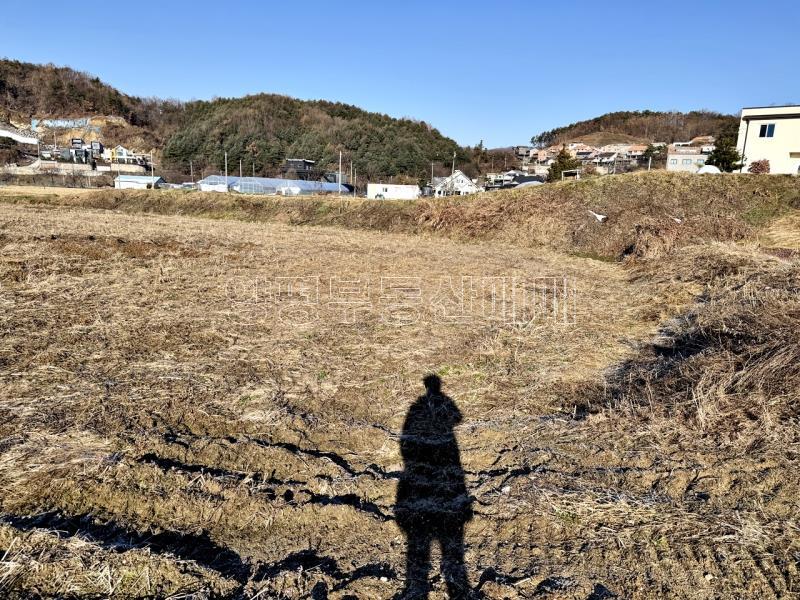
<point>640,126</point>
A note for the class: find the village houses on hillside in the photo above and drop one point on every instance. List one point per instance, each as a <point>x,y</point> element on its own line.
<point>611,158</point>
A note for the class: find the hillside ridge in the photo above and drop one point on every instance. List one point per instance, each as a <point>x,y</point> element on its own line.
<point>641,126</point>
<point>260,130</point>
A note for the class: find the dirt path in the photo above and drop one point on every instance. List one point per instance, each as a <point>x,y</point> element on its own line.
<point>233,395</point>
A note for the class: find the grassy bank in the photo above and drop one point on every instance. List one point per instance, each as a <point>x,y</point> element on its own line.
<point>646,214</point>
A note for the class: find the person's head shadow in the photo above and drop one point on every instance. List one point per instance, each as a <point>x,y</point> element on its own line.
<point>432,500</point>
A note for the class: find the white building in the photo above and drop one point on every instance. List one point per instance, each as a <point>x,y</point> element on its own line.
<point>457,184</point>
<point>685,158</point>
<point>771,133</point>
<point>137,182</point>
<point>391,191</point>
<point>121,155</point>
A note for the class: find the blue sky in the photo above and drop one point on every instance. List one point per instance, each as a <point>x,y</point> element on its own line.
<point>498,72</point>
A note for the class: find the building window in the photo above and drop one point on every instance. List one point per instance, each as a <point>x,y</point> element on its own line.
<point>673,161</point>
<point>701,161</point>
<point>767,130</point>
<point>687,161</point>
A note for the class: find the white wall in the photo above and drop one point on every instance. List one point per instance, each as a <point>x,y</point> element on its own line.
<point>117,168</point>
<point>695,162</point>
<point>457,185</point>
<point>130,185</point>
<point>782,150</point>
<point>392,191</point>
<point>217,187</point>
<point>19,137</point>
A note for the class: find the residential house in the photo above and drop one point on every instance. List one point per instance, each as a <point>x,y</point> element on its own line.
<point>618,148</point>
<point>685,158</point>
<point>124,156</point>
<point>510,179</point>
<point>496,181</point>
<point>545,156</point>
<point>457,184</point>
<point>771,133</point>
<point>606,159</point>
<point>586,155</point>
<point>300,168</point>
<point>635,152</point>
<point>523,153</point>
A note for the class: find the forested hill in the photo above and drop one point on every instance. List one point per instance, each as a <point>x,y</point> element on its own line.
<point>266,128</point>
<point>260,130</point>
<point>645,125</point>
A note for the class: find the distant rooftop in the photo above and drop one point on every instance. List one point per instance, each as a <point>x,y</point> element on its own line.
<point>774,106</point>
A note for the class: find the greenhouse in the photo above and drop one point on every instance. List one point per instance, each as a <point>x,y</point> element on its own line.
<point>216,183</point>
<point>268,185</point>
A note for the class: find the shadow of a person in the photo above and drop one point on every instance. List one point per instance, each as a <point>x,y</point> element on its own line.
<point>432,501</point>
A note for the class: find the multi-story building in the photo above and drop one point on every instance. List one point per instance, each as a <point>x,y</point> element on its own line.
<point>685,158</point>
<point>771,133</point>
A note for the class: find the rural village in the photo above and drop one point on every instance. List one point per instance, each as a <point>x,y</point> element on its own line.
<point>82,153</point>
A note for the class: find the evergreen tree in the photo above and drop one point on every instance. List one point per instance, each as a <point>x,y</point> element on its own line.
<point>564,162</point>
<point>725,156</point>
<point>654,152</point>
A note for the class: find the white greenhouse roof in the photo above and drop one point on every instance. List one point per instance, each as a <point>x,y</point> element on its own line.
<point>268,184</point>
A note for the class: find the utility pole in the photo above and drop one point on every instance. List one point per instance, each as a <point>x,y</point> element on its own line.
<point>340,172</point>
<point>452,174</point>
<point>649,163</point>
<point>355,175</point>
<point>226,171</point>
<point>152,172</point>
<point>240,168</point>
<point>191,171</point>
<point>254,168</point>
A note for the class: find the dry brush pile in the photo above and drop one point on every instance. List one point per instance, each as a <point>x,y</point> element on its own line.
<point>732,362</point>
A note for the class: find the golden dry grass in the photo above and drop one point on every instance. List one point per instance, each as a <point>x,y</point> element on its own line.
<point>187,441</point>
<point>649,214</point>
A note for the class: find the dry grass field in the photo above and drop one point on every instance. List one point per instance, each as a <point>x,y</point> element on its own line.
<point>198,407</point>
